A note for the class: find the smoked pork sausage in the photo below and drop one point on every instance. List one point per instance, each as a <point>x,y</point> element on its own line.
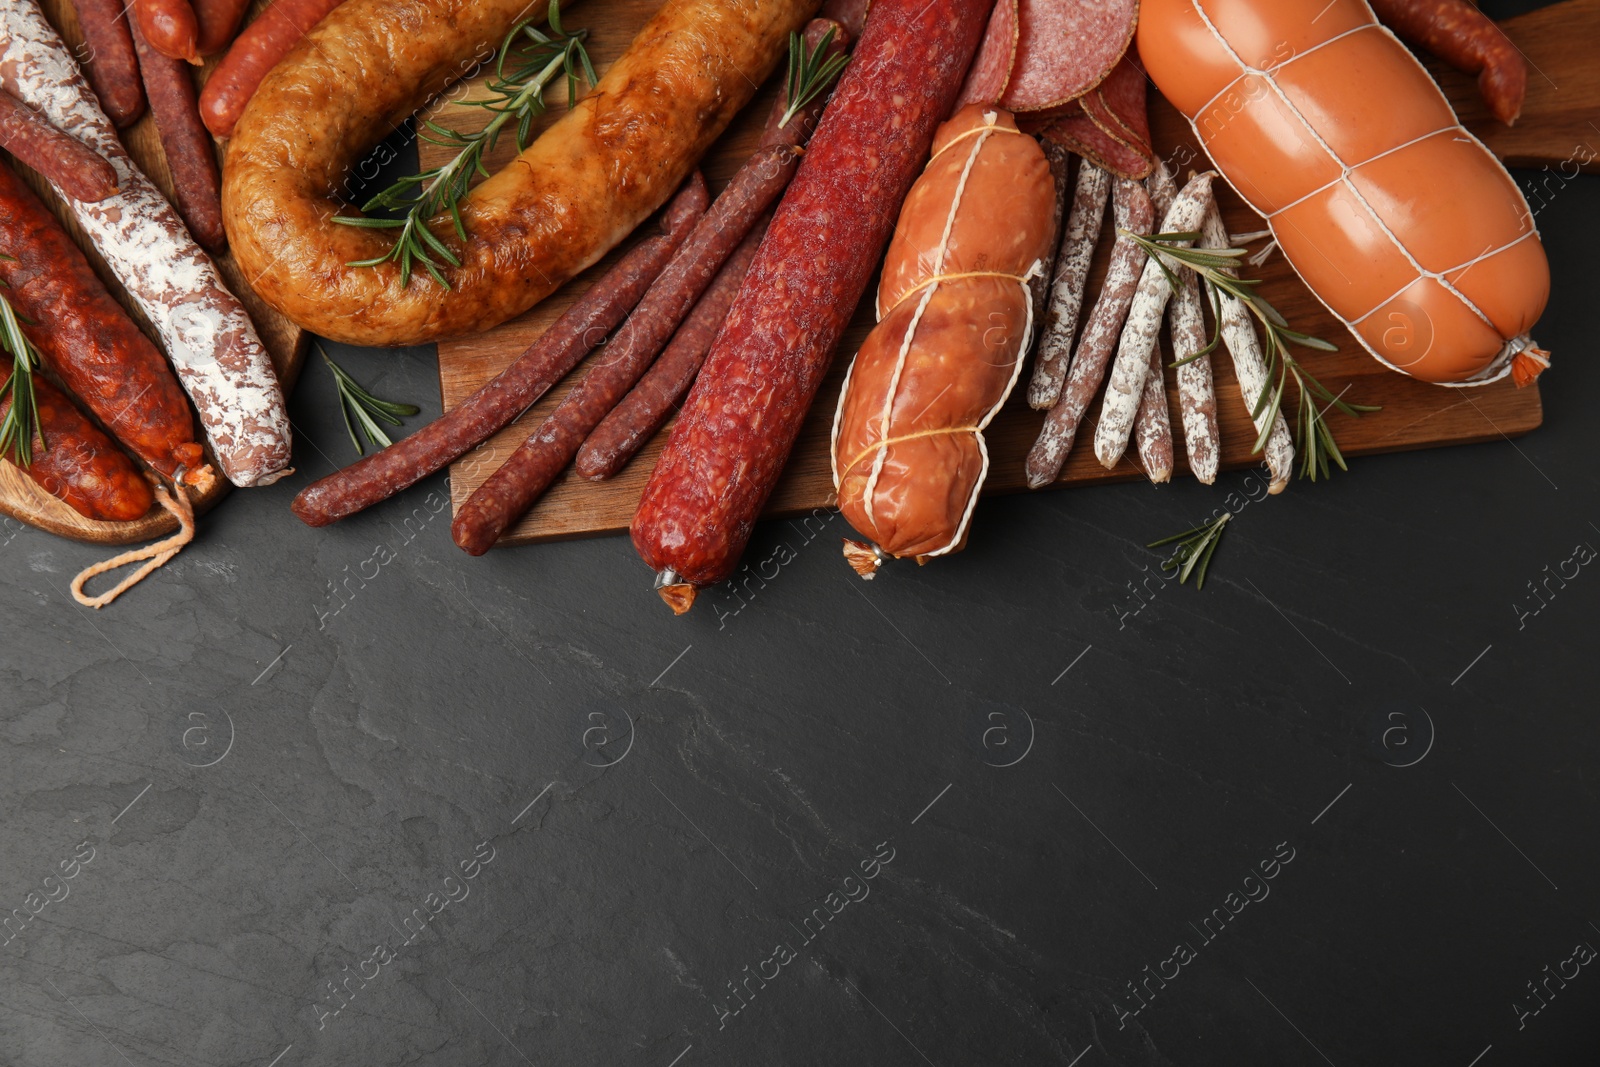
<point>69,164</point>
<point>257,50</point>
<point>579,189</point>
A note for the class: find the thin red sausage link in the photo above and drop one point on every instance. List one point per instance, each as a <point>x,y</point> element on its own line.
<point>451,436</point>
<point>512,489</point>
<point>1464,37</point>
<point>88,340</point>
<point>191,155</point>
<point>169,26</point>
<point>111,66</point>
<point>741,419</point>
<point>71,166</point>
<point>255,52</point>
<point>76,462</point>
<point>218,22</point>
<point>650,403</point>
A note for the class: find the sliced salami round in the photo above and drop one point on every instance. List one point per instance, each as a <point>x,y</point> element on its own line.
<point>1065,48</point>
<point>991,70</point>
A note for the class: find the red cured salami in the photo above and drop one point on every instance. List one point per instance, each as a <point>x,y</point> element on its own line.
<point>1065,48</point>
<point>740,421</point>
<point>991,70</point>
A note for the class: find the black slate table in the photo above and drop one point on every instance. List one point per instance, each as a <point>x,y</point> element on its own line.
<point>347,796</point>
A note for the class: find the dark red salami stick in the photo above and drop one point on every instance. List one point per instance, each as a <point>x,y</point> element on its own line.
<point>579,329</point>
<point>75,461</point>
<point>1464,37</point>
<point>191,155</point>
<point>71,166</point>
<point>512,489</point>
<point>111,66</point>
<point>89,341</point>
<point>740,420</point>
<point>648,406</point>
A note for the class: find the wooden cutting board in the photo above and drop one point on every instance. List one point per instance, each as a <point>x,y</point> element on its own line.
<point>20,497</point>
<point>1563,99</point>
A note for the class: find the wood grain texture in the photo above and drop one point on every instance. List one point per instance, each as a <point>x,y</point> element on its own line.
<point>20,498</point>
<point>1415,415</point>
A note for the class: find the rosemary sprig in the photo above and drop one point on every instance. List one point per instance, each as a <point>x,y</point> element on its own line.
<point>528,60</point>
<point>1319,452</point>
<point>1195,548</point>
<point>354,401</point>
<point>809,73</point>
<point>21,422</point>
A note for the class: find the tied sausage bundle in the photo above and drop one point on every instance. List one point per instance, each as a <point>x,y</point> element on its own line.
<point>955,321</point>
<point>1400,221</point>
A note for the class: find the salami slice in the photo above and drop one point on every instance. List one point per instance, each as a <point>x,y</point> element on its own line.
<point>1118,106</point>
<point>991,70</point>
<point>1065,48</point>
<point>1078,133</point>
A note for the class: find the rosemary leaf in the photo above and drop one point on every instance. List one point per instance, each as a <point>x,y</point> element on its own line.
<point>1195,549</point>
<point>21,422</point>
<point>810,72</point>
<point>360,408</point>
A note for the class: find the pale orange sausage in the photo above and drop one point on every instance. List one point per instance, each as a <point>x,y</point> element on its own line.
<point>1400,221</point>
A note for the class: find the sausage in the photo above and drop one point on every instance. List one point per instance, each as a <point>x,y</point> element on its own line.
<point>1065,48</point>
<point>191,156</point>
<point>68,163</point>
<point>558,208</point>
<point>1152,426</point>
<point>510,491</point>
<point>1197,394</point>
<point>1131,369</point>
<point>740,420</point>
<point>1060,162</point>
<point>648,405</point>
<point>89,341</point>
<point>203,328</point>
<point>111,65</point>
<point>1400,221</point>
<point>1239,335</point>
<point>641,413</point>
<point>255,52</point>
<point>169,26</point>
<point>955,319</point>
<point>1134,213</point>
<point>1084,223</point>
<point>75,461</point>
<point>579,329</point>
<point>990,72</point>
<point>218,21</point>
<point>1467,39</point>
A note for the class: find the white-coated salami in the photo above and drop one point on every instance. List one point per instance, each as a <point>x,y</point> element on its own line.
<point>1082,232</point>
<point>1125,390</point>
<point>1152,428</point>
<point>203,328</point>
<point>1197,394</point>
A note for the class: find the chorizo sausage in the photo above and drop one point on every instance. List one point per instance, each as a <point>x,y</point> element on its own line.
<point>257,50</point>
<point>367,67</point>
<point>68,163</point>
<point>741,419</point>
<point>955,319</point>
<point>579,329</point>
<point>204,329</point>
<point>111,65</point>
<point>191,156</point>
<point>1467,39</point>
<point>89,341</point>
<point>1399,220</point>
<point>75,462</point>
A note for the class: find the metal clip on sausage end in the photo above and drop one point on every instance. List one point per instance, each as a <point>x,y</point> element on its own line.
<point>864,558</point>
<point>678,593</point>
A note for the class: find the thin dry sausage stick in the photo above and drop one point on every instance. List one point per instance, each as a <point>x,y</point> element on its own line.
<point>256,51</point>
<point>1249,366</point>
<point>71,166</point>
<point>560,348</point>
<point>512,489</point>
<point>650,403</point>
<point>1125,389</point>
<point>1162,187</point>
<point>1060,161</point>
<point>740,421</point>
<point>1071,279</point>
<point>1134,213</point>
<point>1152,426</point>
<point>168,25</point>
<point>1197,393</point>
<point>1464,37</point>
<point>89,341</point>
<point>191,156</point>
<point>111,65</point>
<point>75,462</point>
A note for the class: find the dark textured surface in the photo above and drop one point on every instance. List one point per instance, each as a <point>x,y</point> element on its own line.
<point>273,776</point>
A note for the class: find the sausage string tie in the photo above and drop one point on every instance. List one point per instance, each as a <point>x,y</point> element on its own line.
<point>156,554</point>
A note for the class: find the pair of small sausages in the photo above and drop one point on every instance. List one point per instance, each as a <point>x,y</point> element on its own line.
<point>179,29</point>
